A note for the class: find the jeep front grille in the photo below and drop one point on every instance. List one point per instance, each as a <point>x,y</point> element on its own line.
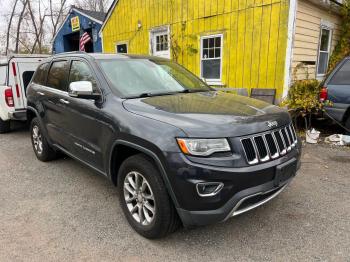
<point>268,146</point>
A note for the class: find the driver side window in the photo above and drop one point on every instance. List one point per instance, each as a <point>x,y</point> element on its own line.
<point>80,71</point>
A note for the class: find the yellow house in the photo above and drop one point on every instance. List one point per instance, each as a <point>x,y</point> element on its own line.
<point>230,43</point>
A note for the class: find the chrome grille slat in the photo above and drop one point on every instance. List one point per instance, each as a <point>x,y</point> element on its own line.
<point>270,145</point>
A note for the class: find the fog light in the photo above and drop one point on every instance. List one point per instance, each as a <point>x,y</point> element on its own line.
<point>209,189</point>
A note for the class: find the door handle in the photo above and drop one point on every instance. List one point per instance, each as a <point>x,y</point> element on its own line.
<point>40,93</point>
<point>64,101</point>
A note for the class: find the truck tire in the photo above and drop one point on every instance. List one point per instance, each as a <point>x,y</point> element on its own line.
<point>43,151</point>
<point>347,125</point>
<point>4,126</point>
<point>144,198</point>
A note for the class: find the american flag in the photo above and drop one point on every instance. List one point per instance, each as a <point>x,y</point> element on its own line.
<point>83,40</point>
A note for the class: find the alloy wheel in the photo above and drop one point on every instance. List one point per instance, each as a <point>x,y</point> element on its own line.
<point>139,198</point>
<point>37,140</point>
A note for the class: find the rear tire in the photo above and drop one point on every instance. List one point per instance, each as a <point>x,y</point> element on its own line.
<point>43,151</point>
<point>5,126</point>
<point>141,191</point>
<point>347,125</point>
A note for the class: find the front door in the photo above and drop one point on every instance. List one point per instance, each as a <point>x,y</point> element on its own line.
<point>160,42</point>
<point>88,126</point>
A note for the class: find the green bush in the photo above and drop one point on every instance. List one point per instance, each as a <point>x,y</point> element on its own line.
<point>303,97</point>
<point>342,49</point>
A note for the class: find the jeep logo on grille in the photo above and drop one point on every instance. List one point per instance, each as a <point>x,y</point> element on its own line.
<point>272,124</point>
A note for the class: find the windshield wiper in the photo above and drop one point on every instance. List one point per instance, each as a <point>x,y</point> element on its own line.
<point>186,91</point>
<point>150,94</point>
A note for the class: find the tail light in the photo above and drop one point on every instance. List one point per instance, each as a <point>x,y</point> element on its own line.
<point>323,94</point>
<point>9,97</point>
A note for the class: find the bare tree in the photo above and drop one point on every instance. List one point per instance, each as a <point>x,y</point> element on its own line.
<point>10,26</point>
<point>20,19</point>
<point>38,28</point>
<point>56,15</point>
<point>95,5</point>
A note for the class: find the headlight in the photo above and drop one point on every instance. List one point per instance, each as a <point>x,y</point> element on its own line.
<point>203,147</point>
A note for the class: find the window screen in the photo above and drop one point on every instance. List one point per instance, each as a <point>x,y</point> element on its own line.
<point>80,71</point>
<point>122,49</point>
<point>342,77</point>
<point>211,57</point>
<point>27,76</point>
<point>323,54</point>
<point>162,43</point>
<point>58,74</point>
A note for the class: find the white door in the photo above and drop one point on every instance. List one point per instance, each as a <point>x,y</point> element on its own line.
<point>160,43</point>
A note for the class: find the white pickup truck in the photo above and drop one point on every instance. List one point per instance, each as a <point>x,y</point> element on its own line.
<point>16,71</point>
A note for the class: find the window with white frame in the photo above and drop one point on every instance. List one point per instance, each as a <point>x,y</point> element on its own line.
<point>324,50</point>
<point>160,41</point>
<point>211,58</point>
<point>121,48</point>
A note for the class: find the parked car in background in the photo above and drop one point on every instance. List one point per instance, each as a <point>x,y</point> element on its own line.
<point>16,71</point>
<point>175,147</point>
<point>336,89</point>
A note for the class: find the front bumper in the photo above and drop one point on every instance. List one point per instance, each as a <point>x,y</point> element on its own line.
<point>244,188</point>
<point>238,204</point>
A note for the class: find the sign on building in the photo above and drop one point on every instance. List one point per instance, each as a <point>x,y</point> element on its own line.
<point>75,23</point>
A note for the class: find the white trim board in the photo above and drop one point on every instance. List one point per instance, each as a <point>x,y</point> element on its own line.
<point>293,6</point>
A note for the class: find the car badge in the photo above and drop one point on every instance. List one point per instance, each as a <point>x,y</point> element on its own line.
<point>271,124</point>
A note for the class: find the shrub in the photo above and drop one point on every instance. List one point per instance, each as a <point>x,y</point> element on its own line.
<point>342,48</point>
<point>303,99</point>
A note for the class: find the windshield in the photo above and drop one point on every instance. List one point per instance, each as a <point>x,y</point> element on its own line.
<point>142,77</point>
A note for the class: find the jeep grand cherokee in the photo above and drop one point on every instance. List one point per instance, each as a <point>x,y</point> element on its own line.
<point>179,151</point>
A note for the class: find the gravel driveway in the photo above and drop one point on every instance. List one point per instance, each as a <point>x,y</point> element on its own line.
<point>62,211</point>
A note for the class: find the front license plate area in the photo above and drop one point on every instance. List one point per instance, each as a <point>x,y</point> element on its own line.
<point>285,171</point>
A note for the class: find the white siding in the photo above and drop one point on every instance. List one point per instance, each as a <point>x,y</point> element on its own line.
<point>307,34</point>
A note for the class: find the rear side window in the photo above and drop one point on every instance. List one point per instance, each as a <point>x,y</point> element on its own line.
<point>3,74</point>
<point>342,77</point>
<point>27,76</point>
<point>58,75</point>
<point>80,71</point>
<point>40,74</point>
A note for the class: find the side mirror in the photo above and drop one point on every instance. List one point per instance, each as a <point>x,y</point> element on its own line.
<point>82,89</point>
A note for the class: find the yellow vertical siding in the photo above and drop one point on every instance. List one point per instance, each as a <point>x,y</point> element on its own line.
<point>254,35</point>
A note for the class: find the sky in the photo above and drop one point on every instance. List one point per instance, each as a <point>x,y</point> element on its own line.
<point>5,10</point>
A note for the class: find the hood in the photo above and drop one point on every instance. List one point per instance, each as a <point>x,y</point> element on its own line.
<point>210,114</point>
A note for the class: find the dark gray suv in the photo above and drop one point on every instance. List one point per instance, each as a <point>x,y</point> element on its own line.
<point>336,89</point>
<point>179,151</point>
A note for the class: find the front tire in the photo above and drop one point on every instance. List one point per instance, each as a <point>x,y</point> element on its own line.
<point>144,198</point>
<point>43,151</point>
<point>4,126</point>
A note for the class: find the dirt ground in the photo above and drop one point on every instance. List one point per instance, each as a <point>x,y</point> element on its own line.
<point>62,211</point>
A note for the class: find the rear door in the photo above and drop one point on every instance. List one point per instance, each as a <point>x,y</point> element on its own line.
<point>54,102</point>
<point>339,90</point>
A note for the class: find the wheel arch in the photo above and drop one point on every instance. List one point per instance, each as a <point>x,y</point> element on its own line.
<point>129,149</point>
<point>31,114</point>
